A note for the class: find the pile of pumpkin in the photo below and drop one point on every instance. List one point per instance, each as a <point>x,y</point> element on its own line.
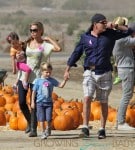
<point>67,115</point>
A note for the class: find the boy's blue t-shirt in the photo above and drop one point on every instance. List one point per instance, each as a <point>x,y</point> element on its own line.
<point>44,89</point>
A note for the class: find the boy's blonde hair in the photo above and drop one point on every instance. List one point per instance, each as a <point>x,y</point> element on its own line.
<point>121,21</point>
<point>45,66</point>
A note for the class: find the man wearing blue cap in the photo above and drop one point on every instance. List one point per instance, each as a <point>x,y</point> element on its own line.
<point>97,44</point>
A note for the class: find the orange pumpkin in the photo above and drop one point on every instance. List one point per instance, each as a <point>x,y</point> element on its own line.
<point>94,104</point>
<point>2,101</point>
<point>7,115</point>
<point>79,105</point>
<point>54,96</point>
<point>13,121</point>
<point>73,113</point>
<point>63,122</point>
<point>3,109</point>
<point>2,119</point>
<point>130,116</point>
<point>56,104</point>
<point>9,98</point>
<point>112,116</point>
<point>8,89</point>
<point>16,107</point>
<point>9,106</point>
<point>97,113</point>
<point>22,122</point>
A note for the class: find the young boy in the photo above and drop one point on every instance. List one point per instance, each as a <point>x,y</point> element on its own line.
<point>42,92</point>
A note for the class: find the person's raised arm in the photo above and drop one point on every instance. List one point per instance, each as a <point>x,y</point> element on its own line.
<point>112,25</point>
<point>56,48</point>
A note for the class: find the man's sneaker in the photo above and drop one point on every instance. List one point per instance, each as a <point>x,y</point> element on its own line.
<point>116,80</point>
<point>101,134</point>
<point>124,126</point>
<point>84,132</point>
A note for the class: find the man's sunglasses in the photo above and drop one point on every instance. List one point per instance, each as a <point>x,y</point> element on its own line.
<point>103,22</point>
<point>33,30</point>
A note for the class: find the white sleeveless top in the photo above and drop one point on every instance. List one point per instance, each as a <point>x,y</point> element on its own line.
<point>34,59</point>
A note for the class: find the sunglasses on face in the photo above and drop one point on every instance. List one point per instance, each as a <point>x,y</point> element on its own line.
<point>103,22</point>
<point>34,30</point>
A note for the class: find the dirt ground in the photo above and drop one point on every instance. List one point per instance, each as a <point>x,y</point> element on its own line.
<point>65,140</point>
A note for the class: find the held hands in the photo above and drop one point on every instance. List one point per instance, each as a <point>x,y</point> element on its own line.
<point>66,75</point>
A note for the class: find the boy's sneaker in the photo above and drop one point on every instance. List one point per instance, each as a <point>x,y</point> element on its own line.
<point>101,134</point>
<point>46,133</point>
<point>84,132</point>
<point>116,80</point>
<point>43,136</point>
<point>124,126</point>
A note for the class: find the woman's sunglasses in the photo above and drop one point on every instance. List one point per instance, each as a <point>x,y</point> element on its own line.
<point>33,30</point>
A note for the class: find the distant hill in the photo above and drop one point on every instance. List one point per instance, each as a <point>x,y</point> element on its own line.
<point>107,6</point>
<point>61,18</point>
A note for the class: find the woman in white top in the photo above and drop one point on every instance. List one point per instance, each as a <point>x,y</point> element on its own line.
<point>38,49</point>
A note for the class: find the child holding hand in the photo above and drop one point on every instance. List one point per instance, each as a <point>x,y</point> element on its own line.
<point>42,97</point>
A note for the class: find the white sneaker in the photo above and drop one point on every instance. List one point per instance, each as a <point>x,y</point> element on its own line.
<point>124,126</point>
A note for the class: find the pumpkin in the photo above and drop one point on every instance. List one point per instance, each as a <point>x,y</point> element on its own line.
<point>65,105</point>
<point>2,119</point>
<point>9,106</point>
<point>3,109</point>
<point>7,115</point>
<point>73,113</point>
<point>16,107</point>
<point>79,105</point>
<point>8,89</point>
<point>16,97</point>
<point>54,96</point>
<point>97,113</point>
<point>112,116</point>
<point>91,118</point>
<point>9,98</point>
<point>94,104</point>
<point>56,104</point>
<point>13,121</point>
<point>22,122</point>
<point>63,122</point>
<point>130,113</point>
<point>60,99</point>
<point>2,101</point>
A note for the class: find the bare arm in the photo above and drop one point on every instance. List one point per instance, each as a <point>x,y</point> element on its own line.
<point>33,99</point>
<point>13,64</point>
<point>54,43</point>
<point>111,25</point>
<point>67,73</point>
<point>62,84</point>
